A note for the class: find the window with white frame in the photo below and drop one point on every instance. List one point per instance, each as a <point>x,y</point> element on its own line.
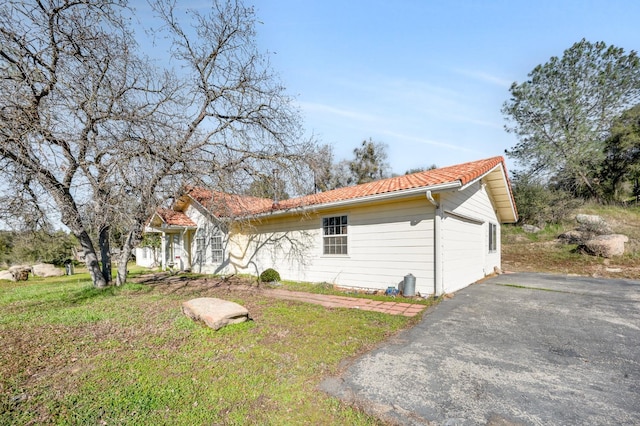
<point>493,237</point>
<point>334,233</point>
<point>217,250</point>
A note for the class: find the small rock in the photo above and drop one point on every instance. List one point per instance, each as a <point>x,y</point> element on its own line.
<point>613,269</point>
<point>531,229</point>
<point>215,313</point>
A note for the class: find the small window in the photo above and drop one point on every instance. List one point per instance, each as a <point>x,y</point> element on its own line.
<point>334,233</point>
<point>493,237</point>
<point>217,251</point>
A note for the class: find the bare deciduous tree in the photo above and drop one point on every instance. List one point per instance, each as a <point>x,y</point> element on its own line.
<point>92,125</point>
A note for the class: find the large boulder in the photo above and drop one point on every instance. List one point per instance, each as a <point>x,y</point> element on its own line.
<point>20,272</point>
<point>215,313</point>
<point>606,245</point>
<point>46,270</point>
<point>6,275</point>
<point>593,224</point>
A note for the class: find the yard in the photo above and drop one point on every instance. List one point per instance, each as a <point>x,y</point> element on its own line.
<point>72,354</point>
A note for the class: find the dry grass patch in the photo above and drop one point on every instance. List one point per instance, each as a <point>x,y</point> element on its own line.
<point>543,253</point>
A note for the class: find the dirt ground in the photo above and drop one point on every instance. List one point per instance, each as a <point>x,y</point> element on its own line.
<point>166,283</point>
<point>548,256</point>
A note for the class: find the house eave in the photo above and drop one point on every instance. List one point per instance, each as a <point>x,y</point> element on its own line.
<point>448,186</point>
<point>169,228</point>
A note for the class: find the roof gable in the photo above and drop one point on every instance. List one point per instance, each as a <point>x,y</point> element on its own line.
<point>171,217</point>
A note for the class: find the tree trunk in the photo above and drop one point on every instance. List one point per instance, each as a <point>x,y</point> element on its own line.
<point>91,260</point>
<point>590,187</point>
<point>72,219</point>
<point>127,248</point>
<point>105,253</point>
<point>133,238</point>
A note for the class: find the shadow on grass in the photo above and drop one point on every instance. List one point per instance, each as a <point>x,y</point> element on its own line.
<point>90,293</point>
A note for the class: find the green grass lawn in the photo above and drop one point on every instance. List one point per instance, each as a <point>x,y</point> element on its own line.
<point>72,354</point>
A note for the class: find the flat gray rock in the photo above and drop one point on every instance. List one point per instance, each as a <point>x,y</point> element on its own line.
<point>46,270</point>
<point>6,275</point>
<point>215,313</point>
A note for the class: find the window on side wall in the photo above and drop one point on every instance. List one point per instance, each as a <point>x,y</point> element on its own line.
<point>217,250</point>
<point>493,237</point>
<point>334,235</point>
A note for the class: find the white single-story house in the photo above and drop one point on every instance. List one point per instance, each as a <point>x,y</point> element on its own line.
<point>441,226</point>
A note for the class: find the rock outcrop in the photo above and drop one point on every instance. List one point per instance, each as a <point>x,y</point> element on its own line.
<point>595,236</point>
<point>46,270</point>
<point>215,313</point>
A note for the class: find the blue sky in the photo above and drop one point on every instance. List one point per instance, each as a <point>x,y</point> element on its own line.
<point>428,78</point>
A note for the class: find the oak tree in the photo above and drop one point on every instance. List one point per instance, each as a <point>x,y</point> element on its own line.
<point>97,133</point>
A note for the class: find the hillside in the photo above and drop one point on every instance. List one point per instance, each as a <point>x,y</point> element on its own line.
<point>542,252</point>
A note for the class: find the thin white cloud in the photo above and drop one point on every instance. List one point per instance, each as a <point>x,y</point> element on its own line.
<point>430,142</point>
<point>470,120</point>
<point>483,76</point>
<point>314,107</point>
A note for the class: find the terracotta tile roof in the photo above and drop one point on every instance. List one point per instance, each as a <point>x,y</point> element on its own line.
<point>175,218</point>
<point>226,204</point>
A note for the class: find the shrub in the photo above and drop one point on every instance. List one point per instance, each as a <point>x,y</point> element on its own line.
<point>539,204</point>
<point>269,275</point>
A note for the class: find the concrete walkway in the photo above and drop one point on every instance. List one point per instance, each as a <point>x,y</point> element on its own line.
<point>330,301</point>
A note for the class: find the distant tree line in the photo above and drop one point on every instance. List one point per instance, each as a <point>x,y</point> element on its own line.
<point>30,247</point>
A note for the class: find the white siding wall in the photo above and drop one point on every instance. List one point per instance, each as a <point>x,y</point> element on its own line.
<point>147,257</point>
<point>466,256</point>
<point>385,243</point>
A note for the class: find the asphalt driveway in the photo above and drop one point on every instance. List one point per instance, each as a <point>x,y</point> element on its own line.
<point>516,349</point>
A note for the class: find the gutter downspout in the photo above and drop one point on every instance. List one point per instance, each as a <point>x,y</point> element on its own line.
<point>437,246</point>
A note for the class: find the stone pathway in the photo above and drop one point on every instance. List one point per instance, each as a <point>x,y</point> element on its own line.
<point>330,301</point>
